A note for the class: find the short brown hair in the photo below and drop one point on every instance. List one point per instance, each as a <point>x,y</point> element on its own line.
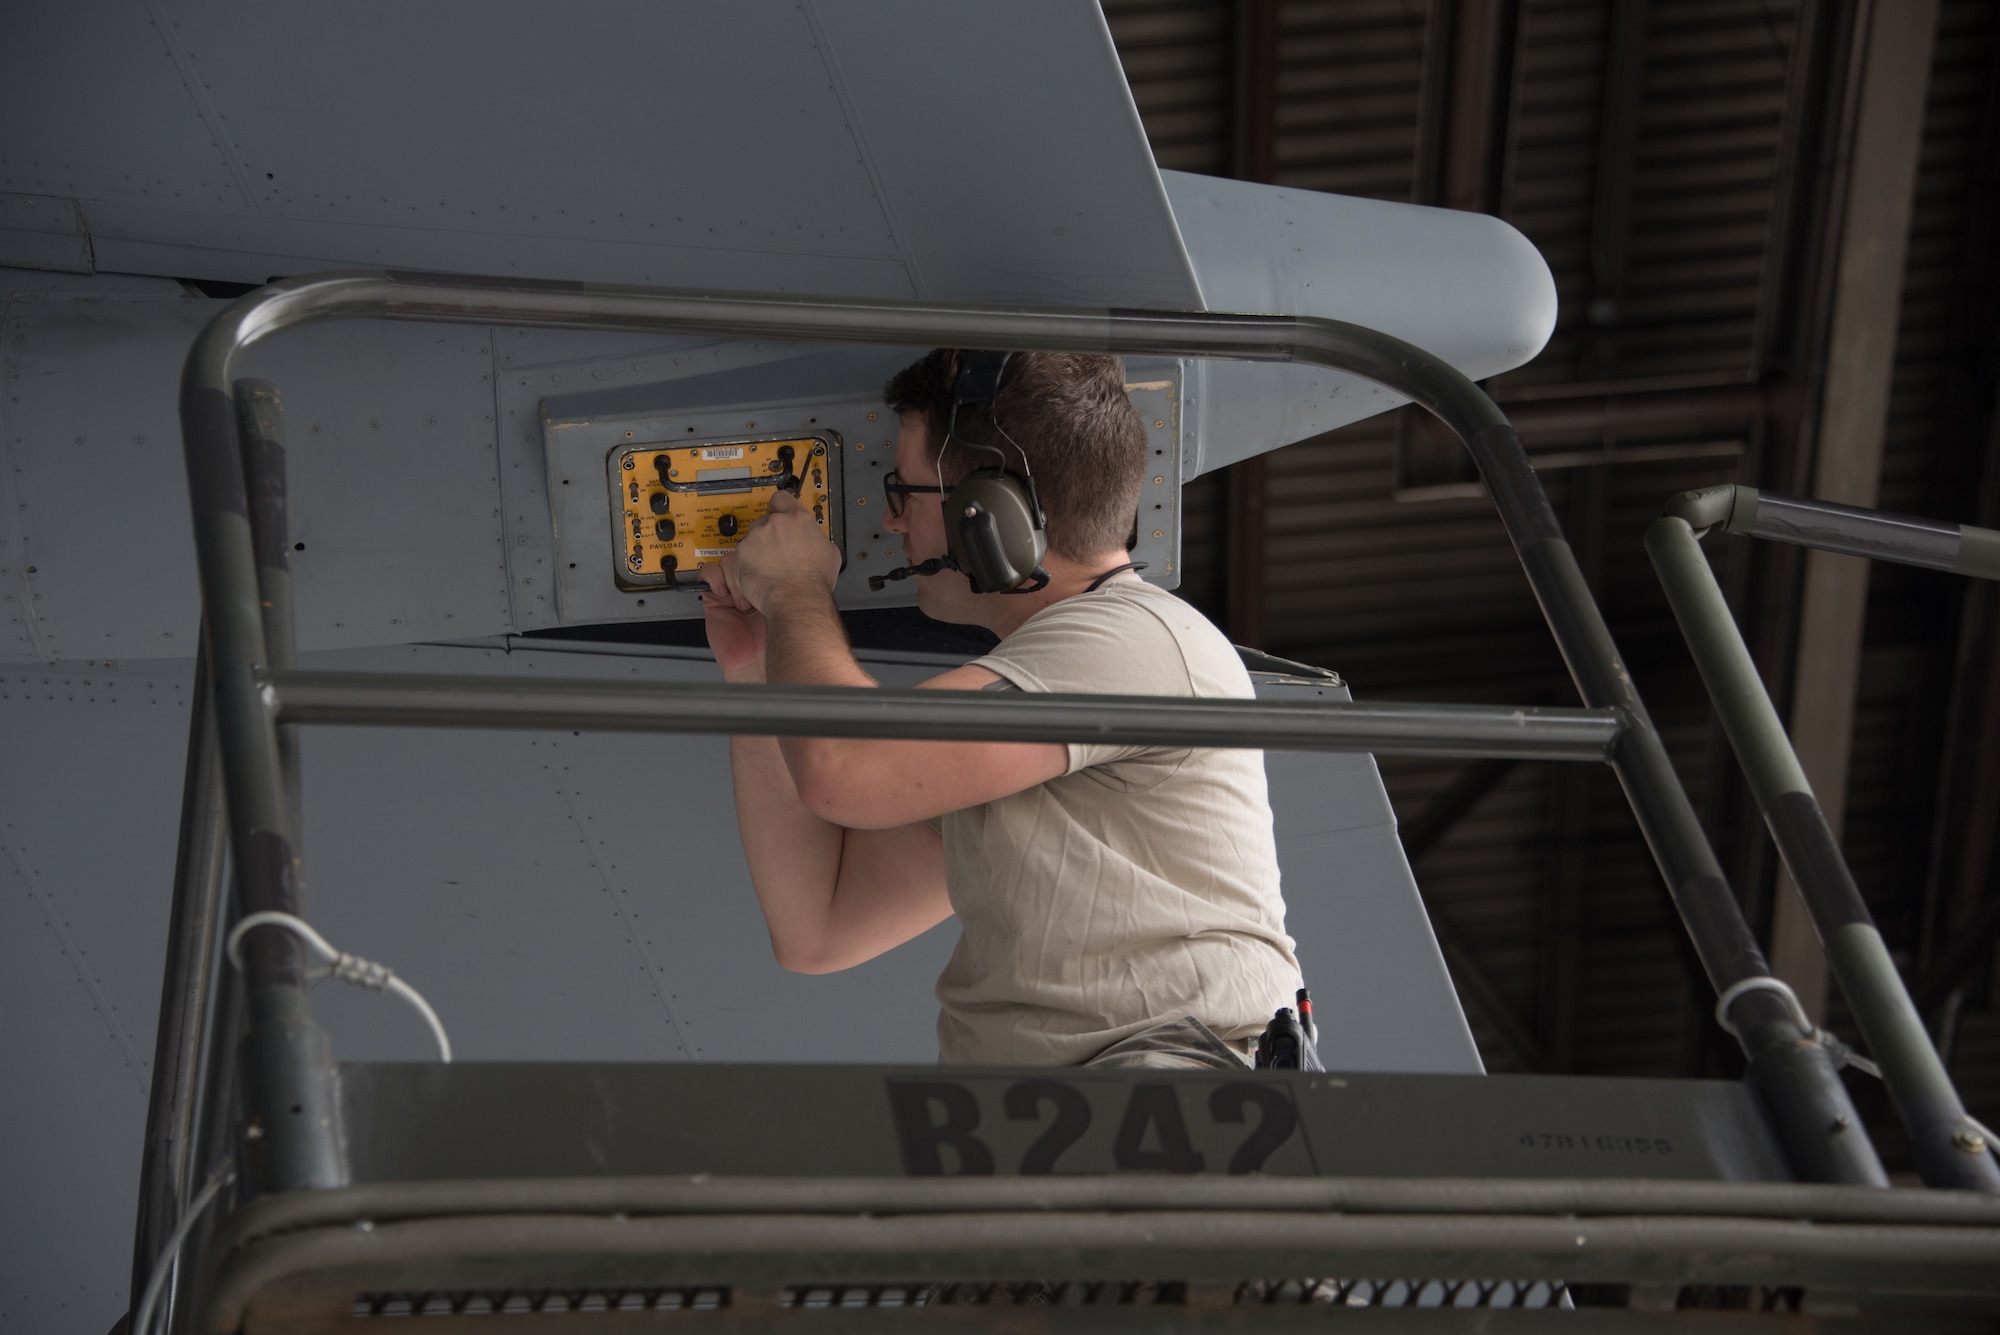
<point>1068,413</point>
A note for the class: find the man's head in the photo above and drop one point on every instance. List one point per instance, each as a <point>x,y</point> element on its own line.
<point>1067,413</point>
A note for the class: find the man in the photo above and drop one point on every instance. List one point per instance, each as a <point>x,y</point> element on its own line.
<point>1117,905</point>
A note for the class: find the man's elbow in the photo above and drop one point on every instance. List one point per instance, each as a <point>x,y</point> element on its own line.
<point>827,785</point>
<point>825,797</point>
<point>807,957</point>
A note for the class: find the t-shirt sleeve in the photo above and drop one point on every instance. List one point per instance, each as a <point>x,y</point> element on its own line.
<point>1098,646</point>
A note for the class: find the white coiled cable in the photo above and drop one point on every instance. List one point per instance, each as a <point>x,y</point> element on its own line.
<point>347,968</point>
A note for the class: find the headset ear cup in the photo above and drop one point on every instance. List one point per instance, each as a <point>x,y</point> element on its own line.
<point>985,561</point>
<point>991,532</point>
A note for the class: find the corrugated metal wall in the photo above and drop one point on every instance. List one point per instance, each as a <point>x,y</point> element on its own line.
<point>1179,57</point>
<point>1677,269</point>
<point>1349,94</point>
<point>1705,155</point>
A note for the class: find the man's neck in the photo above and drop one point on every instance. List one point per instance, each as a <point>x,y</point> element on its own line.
<point>1003,613</point>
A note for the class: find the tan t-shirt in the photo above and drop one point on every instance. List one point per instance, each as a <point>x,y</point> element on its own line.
<point>1138,887</point>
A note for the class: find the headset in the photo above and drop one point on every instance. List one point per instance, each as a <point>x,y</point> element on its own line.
<point>994,528</point>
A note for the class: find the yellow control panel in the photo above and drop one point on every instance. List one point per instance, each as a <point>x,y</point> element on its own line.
<point>677,504</point>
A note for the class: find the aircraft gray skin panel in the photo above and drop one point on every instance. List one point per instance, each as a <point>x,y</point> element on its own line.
<point>554,896</point>
<point>431,447</point>
<point>1466,287</point>
<point>89,797</point>
<point>865,147</point>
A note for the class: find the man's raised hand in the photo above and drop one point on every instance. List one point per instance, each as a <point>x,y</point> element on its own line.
<point>782,554</point>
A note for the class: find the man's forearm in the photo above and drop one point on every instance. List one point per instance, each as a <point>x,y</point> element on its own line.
<point>831,897</point>
<point>806,645</point>
<point>794,856</point>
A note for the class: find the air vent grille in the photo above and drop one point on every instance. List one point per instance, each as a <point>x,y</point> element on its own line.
<point>523,1302</point>
<point>1022,1293</point>
<point>1081,1293</point>
<point>1397,1293</point>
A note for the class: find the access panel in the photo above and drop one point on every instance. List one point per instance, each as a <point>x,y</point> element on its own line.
<point>679,504</point>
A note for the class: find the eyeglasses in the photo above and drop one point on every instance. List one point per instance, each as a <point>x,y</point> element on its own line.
<point>894,489</point>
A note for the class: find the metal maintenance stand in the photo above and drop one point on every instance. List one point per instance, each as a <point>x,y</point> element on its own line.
<point>327,1234</point>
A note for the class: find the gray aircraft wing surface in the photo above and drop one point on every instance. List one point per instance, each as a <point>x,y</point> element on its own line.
<point>571,896</point>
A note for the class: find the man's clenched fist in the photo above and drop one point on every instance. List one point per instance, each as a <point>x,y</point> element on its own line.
<point>781,555</point>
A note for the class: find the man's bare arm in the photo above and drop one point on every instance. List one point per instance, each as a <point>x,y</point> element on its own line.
<point>867,783</point>
<point>785,569</point>
<point>831,898</point>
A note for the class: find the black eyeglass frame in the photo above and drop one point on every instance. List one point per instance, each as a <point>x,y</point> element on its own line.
<point>894,489</point>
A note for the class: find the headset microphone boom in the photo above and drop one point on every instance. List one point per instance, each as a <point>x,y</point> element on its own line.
<point>930,567</point>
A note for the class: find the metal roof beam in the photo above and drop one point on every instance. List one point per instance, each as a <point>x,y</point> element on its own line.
<point>1247,556</point>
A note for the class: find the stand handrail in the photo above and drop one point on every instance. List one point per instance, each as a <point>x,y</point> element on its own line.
<point>1851,530</point>
<point>1949,1147</point>
<point>465,701</point>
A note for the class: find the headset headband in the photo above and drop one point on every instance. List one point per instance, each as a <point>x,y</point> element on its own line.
<point>979,378</point>
<point>979,375</point>
<point>978,382</point>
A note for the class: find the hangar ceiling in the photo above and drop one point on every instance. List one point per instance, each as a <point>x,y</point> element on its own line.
<point>1689,168</point>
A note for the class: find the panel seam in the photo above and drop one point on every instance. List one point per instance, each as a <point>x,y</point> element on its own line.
<point>368,231</point>
<point>204,107</point>
<point>610,886</point>
<point>508,575</point>
<point>838,82</point>
<point>10,490</point>
<point>75,955</point>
